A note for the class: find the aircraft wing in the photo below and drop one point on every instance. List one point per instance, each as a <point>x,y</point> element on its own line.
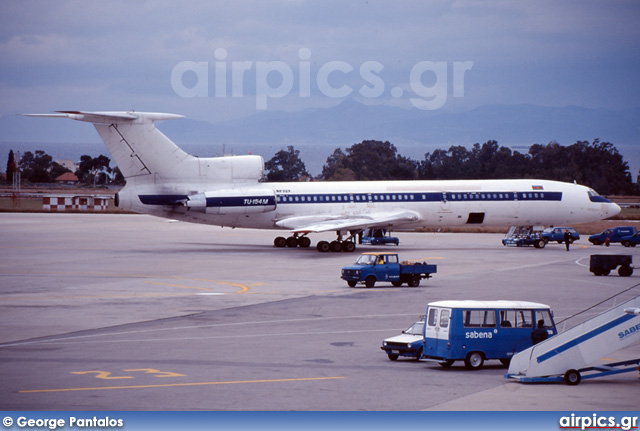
<point>324,223</point>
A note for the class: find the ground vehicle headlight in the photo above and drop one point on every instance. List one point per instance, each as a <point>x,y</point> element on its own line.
<point>384,343</point>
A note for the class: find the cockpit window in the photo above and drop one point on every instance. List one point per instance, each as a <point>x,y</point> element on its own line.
<point>595,197</point>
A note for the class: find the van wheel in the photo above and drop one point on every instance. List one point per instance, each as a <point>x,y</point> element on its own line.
<point>572,377</point>
<point>393,356</point>
<point>474,360</point>
<point>352,283</point>
<point>370,281</point>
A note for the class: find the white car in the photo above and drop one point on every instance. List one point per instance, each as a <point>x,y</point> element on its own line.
<point>409,343</point>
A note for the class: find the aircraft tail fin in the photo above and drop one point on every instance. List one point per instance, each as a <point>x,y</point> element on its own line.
<point>136,145</point>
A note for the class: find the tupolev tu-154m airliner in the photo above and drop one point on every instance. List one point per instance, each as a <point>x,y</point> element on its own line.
<point>165,181</point>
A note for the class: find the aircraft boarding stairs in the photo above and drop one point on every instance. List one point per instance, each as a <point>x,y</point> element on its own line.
<point>564,356</point>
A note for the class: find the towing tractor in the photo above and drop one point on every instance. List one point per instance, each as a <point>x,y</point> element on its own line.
<point>370,268</point>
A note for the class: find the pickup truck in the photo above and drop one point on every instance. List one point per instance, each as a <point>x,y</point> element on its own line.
<point>612,235</point>
<point>372,267</point>
<point>631,240</point>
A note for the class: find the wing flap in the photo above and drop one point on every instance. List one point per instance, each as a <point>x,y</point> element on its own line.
<point>324,223</point>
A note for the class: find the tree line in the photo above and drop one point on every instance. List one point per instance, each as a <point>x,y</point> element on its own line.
<point>595,164</point>
<point>39,167</point>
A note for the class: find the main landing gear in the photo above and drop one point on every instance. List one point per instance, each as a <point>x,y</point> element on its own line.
<point>347,245</point>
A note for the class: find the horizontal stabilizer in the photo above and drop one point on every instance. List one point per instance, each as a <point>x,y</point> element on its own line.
<point>110,117</point>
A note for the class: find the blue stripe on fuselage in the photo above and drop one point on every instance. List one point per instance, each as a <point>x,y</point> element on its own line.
<point>309,198</point>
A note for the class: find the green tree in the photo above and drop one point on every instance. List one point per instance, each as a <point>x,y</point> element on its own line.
<point>91,169</point>
<point>11,166</point>
<point>38,167</point>
<point>369,161</point>
<point>286,166</point>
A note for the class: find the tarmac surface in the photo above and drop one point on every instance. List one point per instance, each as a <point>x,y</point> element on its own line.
<point>132,312</point>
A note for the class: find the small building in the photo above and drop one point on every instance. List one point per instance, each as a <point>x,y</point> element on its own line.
<point>75,203</point>
<point>67,178</point>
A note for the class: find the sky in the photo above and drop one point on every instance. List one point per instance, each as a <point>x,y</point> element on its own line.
<point>216,61</point>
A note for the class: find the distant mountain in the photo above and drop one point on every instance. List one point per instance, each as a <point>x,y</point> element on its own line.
<point>316,132</point>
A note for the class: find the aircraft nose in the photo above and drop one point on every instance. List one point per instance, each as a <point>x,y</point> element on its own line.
<point>612,209</point>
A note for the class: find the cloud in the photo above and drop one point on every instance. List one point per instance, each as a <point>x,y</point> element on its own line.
<point>547,52</point>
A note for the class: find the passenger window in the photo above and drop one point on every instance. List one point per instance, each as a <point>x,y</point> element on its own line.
<point>525,319</point>
<point>507,318</point>
<point>444,319</point>
<point>479,318</point>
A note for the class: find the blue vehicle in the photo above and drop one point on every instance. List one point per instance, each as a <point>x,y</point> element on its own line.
<point>557,234</point>
<point>378,237</point>
<point>612,235</point>
<point>373,267</point>
<point>631,241</point>
<point>409,343</point>
<point>475,331</point>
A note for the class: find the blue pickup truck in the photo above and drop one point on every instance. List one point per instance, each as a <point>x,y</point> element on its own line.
<point>609,236</point>
<point>372,267</point>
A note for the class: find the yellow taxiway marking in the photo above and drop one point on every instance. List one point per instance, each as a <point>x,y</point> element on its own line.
<point>169,385</point>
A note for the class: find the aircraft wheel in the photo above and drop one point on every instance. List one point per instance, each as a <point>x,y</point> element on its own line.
<point>292,242</point>
<point>280,242</point>
<point>348,246</point>
<point>304,242</point>
<point>572,377</point>
<point>322,246</point>
<point>335,246</point>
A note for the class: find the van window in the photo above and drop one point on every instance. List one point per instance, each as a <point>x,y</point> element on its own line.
<point>545,317</point>
<point>444,319</point>
<point>433,317</point>
<point>479,318</point>
<point>516,318</point>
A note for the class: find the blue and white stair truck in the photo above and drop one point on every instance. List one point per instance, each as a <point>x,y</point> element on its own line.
<point>474,331</point>
<point>565,356</point>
